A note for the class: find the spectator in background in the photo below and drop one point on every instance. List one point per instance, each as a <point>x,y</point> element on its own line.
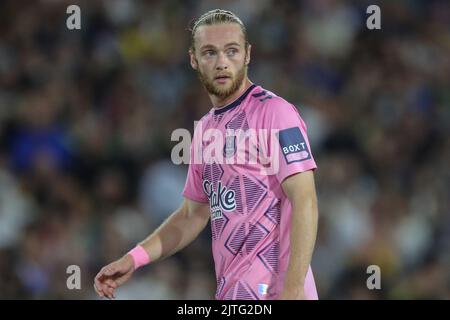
<point>84,115</point>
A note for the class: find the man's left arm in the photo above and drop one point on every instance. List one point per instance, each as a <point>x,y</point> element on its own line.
<point>301,192</point>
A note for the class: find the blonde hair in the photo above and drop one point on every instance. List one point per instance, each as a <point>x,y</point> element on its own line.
<point>217,16</point>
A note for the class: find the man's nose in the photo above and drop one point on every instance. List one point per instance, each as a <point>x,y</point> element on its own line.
<point>222,63</point>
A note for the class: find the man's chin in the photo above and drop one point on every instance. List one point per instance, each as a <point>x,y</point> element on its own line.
<point>222,91</point>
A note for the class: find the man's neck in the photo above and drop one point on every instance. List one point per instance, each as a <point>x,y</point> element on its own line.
<point>218,102</point>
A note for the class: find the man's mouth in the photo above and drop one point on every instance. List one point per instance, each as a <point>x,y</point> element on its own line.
<point>222,77</point>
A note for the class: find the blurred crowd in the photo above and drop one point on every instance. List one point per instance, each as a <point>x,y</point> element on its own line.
<point>86,118</point>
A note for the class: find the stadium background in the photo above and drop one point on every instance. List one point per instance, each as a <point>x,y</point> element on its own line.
<point>86,118</point>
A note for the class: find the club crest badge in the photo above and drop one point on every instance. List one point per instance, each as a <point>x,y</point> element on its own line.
<point>230,146</point>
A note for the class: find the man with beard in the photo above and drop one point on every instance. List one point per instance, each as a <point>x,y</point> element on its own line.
<point>263,212</point>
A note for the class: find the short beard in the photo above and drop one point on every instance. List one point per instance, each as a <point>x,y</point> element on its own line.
<point>220,93</point>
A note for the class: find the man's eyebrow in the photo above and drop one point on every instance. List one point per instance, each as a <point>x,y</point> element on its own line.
<point>232,44</point>
<point>210,46</point>
<point>207,46</point>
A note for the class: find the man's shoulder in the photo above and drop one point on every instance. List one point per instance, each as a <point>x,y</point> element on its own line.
<point>267,102</point>
<point>201,124</point>
<point>206,117</point>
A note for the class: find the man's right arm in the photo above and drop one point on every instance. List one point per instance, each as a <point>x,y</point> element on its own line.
<point>179,230</point>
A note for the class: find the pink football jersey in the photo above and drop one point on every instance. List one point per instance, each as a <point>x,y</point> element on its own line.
<point>240,155</point>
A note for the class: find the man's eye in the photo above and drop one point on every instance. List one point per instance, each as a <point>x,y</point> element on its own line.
<point>209,53</point>
<point>231,51</point>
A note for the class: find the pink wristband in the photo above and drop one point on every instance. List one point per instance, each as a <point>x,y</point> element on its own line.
<point>140,256</point>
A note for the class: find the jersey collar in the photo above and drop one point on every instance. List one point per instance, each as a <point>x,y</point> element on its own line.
<point>236,102</point>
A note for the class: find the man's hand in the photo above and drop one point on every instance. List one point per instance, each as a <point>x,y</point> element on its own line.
<point>179,230</point>
<point>113,275</point>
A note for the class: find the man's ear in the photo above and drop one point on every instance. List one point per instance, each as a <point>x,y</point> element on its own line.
<point>193,61</point>
<point>247,56</point>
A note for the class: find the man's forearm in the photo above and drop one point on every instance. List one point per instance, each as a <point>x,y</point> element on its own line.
<point>302,241</point>
<point>174,234</point>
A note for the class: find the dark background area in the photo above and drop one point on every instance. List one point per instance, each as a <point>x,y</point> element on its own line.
<point>86,117</point>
